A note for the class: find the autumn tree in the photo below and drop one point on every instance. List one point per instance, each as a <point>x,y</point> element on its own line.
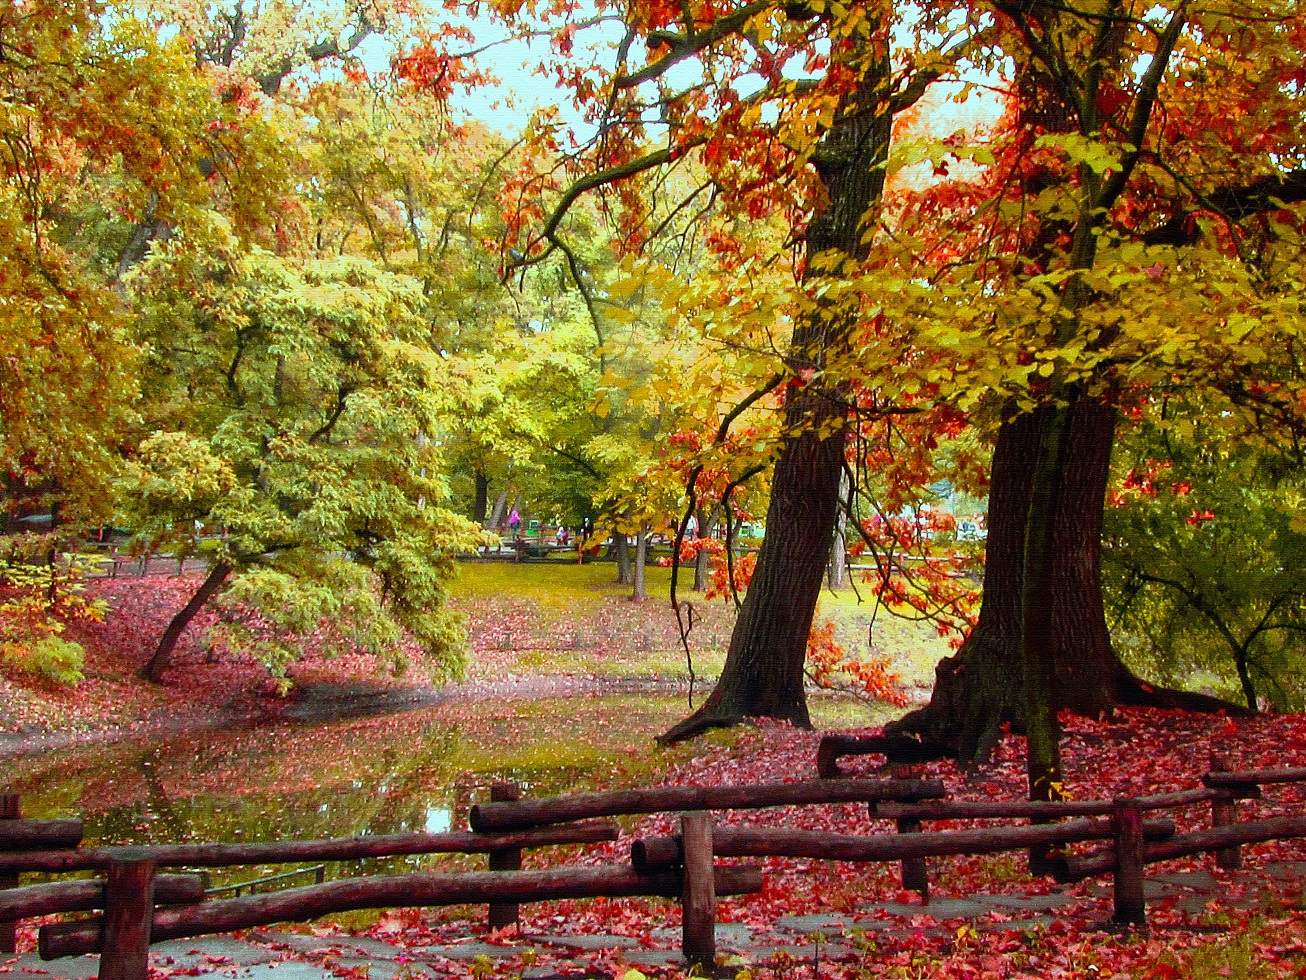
<point>284,445</point>
<point>102,122</point>
<point>788,110</point>
<point>1075,314</point>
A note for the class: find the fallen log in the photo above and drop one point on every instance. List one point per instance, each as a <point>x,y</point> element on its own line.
<point>1194,842</point>
<point>31,901</point>
<point>654,853</point>
<point>326,849</point>
<point>1037,809</point>
<point>402,891</point>
<point>22,834</point>
<point>561,809</point>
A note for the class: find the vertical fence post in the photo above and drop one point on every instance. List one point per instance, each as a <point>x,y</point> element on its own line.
<point>698,892</point>
<point>915,871</point>
<point>128,917</point>
<point>504,913</point>
<point>1223,813</point>
<point>1127,824</point>
<point>10,809</point>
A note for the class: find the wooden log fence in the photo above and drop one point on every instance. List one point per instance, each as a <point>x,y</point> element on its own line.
<point>658,853</point>
<point>1039,809</point>
<point>48,898</point>
<point>1193,842</point>
<point>132,889</point>
<point>387,891</point>
<point>503,914</point>
<point>10,811</point>
<point>327,849</point>
<point>141,906</point>
<point>489,817</point>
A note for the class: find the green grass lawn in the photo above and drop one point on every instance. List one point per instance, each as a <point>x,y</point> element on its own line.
<point>605,635</point>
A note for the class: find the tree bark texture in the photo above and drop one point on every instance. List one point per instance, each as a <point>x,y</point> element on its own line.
<point>158,662</point>
<point>980,687</point>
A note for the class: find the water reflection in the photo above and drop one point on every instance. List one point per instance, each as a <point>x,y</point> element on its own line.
<point>417,771</point>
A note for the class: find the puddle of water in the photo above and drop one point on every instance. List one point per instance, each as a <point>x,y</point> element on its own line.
<point>416,771</point>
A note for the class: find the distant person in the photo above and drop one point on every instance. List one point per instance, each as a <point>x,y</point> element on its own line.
<point>514,522</point>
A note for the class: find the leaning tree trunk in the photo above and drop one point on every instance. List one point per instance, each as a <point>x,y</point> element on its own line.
<point>158,662</point>
<point>763,672</point>
<point>496,515</point>
<point>979,689</point>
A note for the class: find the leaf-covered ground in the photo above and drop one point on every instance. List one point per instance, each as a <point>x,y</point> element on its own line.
<point>1256,926</point>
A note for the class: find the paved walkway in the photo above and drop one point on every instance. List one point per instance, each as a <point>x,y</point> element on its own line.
<point>805,938</point>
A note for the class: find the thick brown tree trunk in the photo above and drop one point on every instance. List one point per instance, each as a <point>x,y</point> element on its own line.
<point>980,688</point>
<point>763,673</point>
<point>158,662</point>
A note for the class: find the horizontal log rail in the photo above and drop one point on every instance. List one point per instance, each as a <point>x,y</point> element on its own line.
<point>1255,777</point>
<point>403,891</point>
<point>1193,842</point>
<point>327,849</point>
<point>487,817</point>
<point>654,853</point>
<point>19,834</point>
<point>30,901</point>
<point>1038,809</point>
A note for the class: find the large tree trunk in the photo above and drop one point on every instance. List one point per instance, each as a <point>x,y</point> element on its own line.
<point>763,673</point>
<point>158,662</point>
<point>979,689</point>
